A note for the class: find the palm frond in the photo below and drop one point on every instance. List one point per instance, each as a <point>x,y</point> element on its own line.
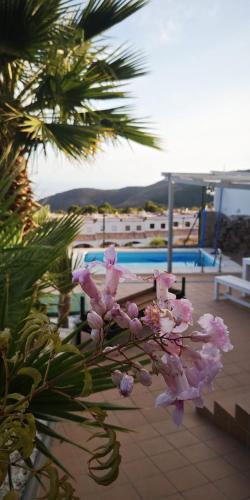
<point>26,25</point>
<point>100,15</point>
<point>24,264</point>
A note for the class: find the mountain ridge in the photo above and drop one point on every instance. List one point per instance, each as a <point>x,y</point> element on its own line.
<point>133,196</point>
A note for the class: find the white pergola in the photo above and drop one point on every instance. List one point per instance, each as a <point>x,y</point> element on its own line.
<point>214,179</point>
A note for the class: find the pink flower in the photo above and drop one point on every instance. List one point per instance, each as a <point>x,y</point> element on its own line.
<point>126,385</point>
<point>113,276</point>
<point>84,278</point>
<point>216,331</point>
<point>110,256</point>
<point>182,311</point>
<point>163,282</point>
<point>206,364</point>
<point>94,320</point>
<point>179,389</point>
<point>120,317</point>
<point>103,304</point>
<point>152,317</point>
<point>166,325</point>
<point>114,272</point>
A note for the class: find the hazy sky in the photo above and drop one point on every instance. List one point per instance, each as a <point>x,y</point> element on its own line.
<point>197,96</point>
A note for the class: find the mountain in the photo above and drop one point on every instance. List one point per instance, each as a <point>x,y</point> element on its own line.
<point>132,196</point>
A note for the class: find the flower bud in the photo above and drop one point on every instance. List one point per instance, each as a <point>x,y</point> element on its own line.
<point>94,320</point>
<point>126,385</point>
<point>117,377</point>
<point>150,347</point>
<point>144,377</point>
<point>97,335</point>
<point>135,326</point>
<point>112,351</point>
<point>120,317</point>
<point>132,310</point>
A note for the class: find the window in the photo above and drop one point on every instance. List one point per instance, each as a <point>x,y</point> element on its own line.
<point>187,223</point>
<point>127,228</point>
<point>138,228</point>
<point>176,224</point>
<point>152,226</point>
<point>163,225</point>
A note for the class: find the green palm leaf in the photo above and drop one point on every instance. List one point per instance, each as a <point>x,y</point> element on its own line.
<point>100,15</point>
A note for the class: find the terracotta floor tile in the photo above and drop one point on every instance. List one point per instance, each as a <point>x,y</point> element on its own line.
<point>223,444</point>
<point>154,487</point>
<point>235,487</point>
<point>186,478</point>
<point>131,452</point>
<point>198,452</point>
<point>143,432</point>
<point>240,459</point>
<point>228,382</point>
<point>215,468</point>
<point>131,419</point>
<point>176,496</point>
<point>170,460</point>
<point>155,414</point>
<point>139,469</point>
<point>155,446</point>
<point>205,431</point>
<point>124,492</point>
<point>167,426</point>
<point>182,439</point>
<point>205,492</point>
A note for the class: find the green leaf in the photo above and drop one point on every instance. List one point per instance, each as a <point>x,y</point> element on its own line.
<point>88,384</point>
<point>110,467</point>
<point>32,373</point>
<point>100,15</point>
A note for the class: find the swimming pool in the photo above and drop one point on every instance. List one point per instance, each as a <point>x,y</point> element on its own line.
<point>145,261</point>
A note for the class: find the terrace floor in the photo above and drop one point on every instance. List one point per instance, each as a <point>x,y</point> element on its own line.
<point>160,461</point>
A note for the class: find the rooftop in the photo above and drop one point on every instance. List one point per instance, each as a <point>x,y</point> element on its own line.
<point>233,179</point>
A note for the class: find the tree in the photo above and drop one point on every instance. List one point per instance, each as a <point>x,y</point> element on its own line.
<point>55,76</point>
<point>151,206</point>
<point>89,209</point>
<point>106,208</point>
<point>74,209</point>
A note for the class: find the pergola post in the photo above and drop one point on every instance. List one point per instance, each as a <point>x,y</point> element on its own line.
<point>170,221</point>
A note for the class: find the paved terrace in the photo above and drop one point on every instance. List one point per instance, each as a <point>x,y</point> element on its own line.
<point>196,461</point>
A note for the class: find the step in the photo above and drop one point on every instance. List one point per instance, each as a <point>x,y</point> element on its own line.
<point>230,411</point>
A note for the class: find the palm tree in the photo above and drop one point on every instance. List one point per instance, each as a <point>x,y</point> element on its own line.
<point>56,74</point>
<point>44,379</point>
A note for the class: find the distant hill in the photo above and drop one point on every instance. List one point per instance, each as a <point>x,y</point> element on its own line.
<point>132,196</point>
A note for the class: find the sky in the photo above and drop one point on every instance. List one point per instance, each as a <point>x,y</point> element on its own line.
<point>196,96</point>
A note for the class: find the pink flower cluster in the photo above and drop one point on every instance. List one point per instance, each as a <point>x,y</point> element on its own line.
<point>161,334</point>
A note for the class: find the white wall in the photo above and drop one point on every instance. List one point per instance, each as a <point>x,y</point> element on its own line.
<point>234,201</point>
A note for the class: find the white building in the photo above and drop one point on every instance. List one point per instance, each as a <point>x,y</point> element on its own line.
<point>232,201</point>
<point>137,229</point>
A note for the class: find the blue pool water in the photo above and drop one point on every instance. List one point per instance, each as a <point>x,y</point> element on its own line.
<point>148,260</point>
